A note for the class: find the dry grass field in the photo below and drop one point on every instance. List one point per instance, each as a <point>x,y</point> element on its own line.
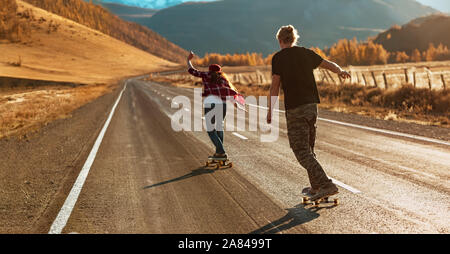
<point>59,50</point>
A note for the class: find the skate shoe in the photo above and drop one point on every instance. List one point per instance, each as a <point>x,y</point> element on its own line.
<point>324,192</point>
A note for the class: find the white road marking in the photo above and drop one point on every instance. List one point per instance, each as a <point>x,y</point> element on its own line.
<point>239,136</point>
<point>432,140</point>
<point>66,210</point>
<point>395,133</point>
<point>275,110</point>
<point>345,186</point>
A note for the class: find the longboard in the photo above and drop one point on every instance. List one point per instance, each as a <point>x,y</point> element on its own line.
<point>306,199</point>
<point>219,163</point>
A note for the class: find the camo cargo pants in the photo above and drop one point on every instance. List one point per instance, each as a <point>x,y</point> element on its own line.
<point>301,125</point>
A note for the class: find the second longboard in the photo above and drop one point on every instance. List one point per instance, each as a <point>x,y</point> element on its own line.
<point>219,163</point>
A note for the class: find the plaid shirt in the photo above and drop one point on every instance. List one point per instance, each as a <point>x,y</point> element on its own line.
<point>222,89</point>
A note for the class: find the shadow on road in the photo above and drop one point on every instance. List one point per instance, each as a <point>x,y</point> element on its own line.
<point>196,172</point>
<point>296,216</point>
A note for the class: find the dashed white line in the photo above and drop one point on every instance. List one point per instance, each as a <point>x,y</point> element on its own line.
<point>239,136</point>
<point>345,186</point>
<point>66,210</point>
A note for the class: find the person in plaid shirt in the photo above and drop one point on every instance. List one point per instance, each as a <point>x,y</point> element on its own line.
<point>217,89</point>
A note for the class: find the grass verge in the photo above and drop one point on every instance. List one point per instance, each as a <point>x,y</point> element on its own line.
<point>24,110</point>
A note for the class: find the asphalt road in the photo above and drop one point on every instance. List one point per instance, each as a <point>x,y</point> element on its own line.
<point>147,178</point>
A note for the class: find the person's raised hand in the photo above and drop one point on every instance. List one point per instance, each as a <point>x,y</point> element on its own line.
<point>344,75</point>
<point>191,55</point>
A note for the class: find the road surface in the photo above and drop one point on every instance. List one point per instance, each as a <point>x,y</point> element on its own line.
<point>147,178</point>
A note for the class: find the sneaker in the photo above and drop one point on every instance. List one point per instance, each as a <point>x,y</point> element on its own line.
<point>219,156</point>
<point>309,192</point>
<point>326,192</point>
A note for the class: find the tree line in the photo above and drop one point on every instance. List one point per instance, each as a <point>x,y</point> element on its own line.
<point>345,52</point>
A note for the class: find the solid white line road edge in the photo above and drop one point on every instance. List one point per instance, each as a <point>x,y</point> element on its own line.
<point>66,210</point>
<point>395,133</point>
<point>432,140</point>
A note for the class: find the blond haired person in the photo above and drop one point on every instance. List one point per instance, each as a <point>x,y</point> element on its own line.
<point>293,67</point>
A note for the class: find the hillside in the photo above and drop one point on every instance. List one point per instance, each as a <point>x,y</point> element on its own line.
<point>98,18</point>
<point>238,26</point>
<point>59,49</point>
<point>417,34</point>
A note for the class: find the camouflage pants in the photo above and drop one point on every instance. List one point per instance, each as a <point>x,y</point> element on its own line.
<point>301,125</point>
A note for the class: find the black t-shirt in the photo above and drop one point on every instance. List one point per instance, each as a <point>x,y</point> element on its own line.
<point>295,65</point>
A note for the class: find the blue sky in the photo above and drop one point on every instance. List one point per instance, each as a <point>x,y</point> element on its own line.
<point>441,5</point>
<point>153,4</point>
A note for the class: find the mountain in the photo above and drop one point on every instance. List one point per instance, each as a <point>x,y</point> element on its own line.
<point>128,13</point>
<point>98,18</point>
<point>417,34</point>
<point>239,26</point>
<point>122,10</point>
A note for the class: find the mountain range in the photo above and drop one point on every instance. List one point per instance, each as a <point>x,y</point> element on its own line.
<point>421,31</point>
<point>240,26</point>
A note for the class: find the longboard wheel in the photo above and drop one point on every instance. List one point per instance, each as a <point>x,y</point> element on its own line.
<point>305,200</point>
<point>336,201</point>
<point>231,164</point>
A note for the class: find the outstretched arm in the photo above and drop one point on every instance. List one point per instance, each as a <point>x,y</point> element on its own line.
<point>334,68</point>
<point>191,55</point>
<point>192,70</point>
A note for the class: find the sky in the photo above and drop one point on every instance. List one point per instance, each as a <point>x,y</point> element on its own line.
<point>153,4</point>
<point>441,5</point>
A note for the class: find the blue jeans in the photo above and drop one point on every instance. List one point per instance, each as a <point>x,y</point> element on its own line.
<point>215,128</point>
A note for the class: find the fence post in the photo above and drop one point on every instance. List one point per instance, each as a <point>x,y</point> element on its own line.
<point>364,78</point>
<point>385,81</point>
<point>415,80</point>
<point>429,77</point>
<point>325,76</point>
<point>406,75</point>
<point>443,81</point>
<point>331,77</point>
<point>374,79</point>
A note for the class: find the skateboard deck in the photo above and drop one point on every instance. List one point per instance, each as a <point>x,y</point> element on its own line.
<point>219,163</point>
<point>306,199</point>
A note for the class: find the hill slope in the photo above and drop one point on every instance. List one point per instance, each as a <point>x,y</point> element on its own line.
<point>59,49</point>
<point>417,34</point>
<point>239,26</point>
<point>98,18</point>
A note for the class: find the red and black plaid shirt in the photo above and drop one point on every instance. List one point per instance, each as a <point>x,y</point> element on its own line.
<point>222,89</point>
